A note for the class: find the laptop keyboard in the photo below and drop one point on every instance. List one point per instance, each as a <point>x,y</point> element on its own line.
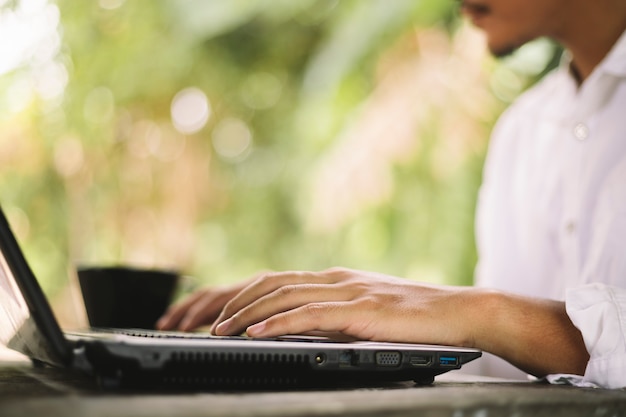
<point>158,334</point>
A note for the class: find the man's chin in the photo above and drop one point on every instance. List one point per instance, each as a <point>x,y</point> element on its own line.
<point>506,47</point>
<point>502,51</point>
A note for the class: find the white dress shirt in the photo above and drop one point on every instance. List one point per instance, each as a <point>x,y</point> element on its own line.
<point>552,209</point>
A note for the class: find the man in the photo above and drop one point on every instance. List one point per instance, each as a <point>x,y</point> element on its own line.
<point>551,229</point>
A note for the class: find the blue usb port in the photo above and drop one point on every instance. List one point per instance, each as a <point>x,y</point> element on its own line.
<point>448,361</point>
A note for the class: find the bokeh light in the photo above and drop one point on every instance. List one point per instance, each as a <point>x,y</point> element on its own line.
<point>28,32</point>
<point>190,110</point>
<point>232,139</point>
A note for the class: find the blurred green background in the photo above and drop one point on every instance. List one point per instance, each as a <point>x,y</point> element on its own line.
<point>225,137</point>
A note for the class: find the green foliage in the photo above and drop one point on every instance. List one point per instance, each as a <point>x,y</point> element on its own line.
<point>310,154</point>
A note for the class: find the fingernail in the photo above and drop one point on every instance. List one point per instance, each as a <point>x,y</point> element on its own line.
<point>222,328</point>
<point>256,330</point>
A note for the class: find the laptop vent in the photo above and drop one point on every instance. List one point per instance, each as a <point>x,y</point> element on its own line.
<point>237,358</point>
<point>234,370</point>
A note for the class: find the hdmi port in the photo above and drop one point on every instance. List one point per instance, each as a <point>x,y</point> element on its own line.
<point>420,360</point>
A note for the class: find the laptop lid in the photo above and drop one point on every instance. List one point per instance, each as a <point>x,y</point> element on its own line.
<point>166,359</point>
<point>27,323</point>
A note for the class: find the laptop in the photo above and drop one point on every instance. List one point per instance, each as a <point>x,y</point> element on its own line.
<point>133,358</point>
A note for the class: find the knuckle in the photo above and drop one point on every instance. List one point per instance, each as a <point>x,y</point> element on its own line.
<point>335,270</point>
<point>315,310</point>
<point>361,288</point>
<point>271,280</point>
<point>368,303</point>
<point>337,274</point>
<point>286,290</point>
<point>265,277</point>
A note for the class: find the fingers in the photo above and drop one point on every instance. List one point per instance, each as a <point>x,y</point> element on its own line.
<point>176,312</point>
<point>328,317</point>
<point>269,295</point>
<point>278,293</point>
<point>202,312</point>
<point>198,309</point>
<point>285,298</point>
<point>266,284</point>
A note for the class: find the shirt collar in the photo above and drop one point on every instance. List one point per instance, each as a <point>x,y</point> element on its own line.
<point>580,102</point>
<point>614,62</point>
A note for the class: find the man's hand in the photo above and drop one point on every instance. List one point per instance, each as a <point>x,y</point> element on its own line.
<point>533,334</point>
<point>357,304</point>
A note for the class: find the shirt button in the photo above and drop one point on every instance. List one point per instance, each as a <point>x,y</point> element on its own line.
<point>581,131</point>
<point>570,227</point>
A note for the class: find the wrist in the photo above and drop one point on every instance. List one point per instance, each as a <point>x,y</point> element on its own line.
<point>533,334</point>
<point>482,314</point>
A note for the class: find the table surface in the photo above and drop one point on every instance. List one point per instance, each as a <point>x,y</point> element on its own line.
<point>28,390</point>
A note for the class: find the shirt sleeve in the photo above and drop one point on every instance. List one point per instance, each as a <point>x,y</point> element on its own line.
<point>599,312</point>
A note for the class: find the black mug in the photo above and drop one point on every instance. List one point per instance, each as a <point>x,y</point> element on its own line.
<point>126,297</point>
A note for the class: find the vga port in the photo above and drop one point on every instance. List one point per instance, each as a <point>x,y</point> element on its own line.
<point>388,358</point>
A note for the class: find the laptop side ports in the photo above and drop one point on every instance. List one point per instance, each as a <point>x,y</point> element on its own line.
<point>448,361</point>
<point>420,360</point>
<point>348,358</point>
<point>388,358</point>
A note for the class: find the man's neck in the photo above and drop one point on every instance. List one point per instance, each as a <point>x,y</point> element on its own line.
<point>591,33</point>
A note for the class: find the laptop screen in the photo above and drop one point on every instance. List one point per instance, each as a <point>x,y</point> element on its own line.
<point>27,324</point>
<point>13,307</point>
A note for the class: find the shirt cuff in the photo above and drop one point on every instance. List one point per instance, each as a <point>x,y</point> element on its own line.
<point>599,312</point>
